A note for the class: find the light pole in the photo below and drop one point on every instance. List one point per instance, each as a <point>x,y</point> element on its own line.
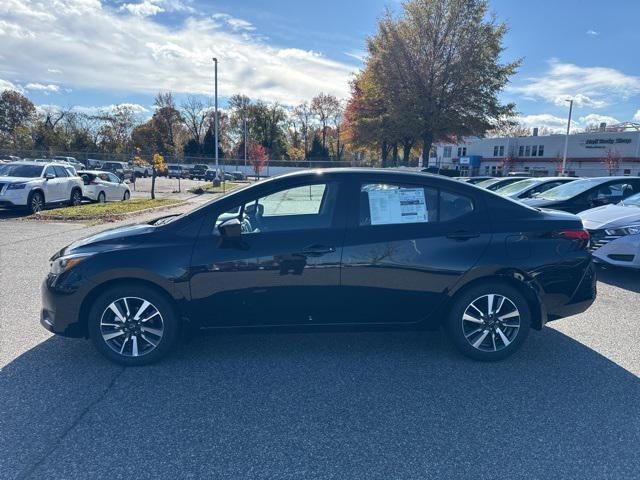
<point>215,126</point>
<point>245,143</point>
<point>566,140</point>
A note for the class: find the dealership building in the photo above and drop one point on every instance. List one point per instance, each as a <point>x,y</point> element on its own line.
<point>609,151</point>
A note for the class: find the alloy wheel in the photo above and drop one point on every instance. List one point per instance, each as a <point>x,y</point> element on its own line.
<point>37,204</point>
<point>491,322</point>
<point>76,199</point>
<point>132,326</point>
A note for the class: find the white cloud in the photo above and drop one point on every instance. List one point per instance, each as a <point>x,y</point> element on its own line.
<point>553,123</point>
<point>636,116</point>
<point>144,9</point>
<point>236,24</point>
<point>7,85</point>
<point>592,32</point>
<point>359,55</point>
<point>594,87</point>
<point>102,48</point>
<point>54,70</point>
<point>596,119</point>
<point>42,87</point>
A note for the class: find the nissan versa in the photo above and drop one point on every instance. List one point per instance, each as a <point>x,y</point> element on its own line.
<point>327,248</point>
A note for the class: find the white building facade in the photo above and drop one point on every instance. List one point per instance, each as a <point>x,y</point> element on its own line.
<point>588,155</point>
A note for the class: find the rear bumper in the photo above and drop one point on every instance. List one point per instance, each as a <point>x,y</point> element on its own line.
<point>581,299</point>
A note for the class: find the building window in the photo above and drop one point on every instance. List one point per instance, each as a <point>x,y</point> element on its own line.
<point>447,152</point>
<point>526,169</point>
<point>501,151</point>
<point>627,171</point>
<point>541,150</point>
<point>486,169</point>
<point>527,151</point>
<point>521,151</point>
<point>462,151</point>
<point>534,151</point>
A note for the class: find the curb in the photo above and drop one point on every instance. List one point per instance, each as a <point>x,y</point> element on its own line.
<point>106,218</point>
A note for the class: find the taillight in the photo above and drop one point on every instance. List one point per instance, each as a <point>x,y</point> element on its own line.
<point>575,234</point>
<point>580,237</point>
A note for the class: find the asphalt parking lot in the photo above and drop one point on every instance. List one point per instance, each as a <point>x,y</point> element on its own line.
<point>349,405</point>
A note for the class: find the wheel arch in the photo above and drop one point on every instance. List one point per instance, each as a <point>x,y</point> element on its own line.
<point>513,279</point>
<point>37,190</point>
<point>97,290</point>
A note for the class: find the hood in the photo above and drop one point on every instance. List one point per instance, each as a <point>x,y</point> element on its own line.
<point>538,202</point>
<point>18,179</point>
<point>610,216</point>
<point>108,240</point>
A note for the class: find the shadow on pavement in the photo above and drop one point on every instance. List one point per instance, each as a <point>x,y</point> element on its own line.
<point>10,213</point>
<point>626,278</point>
<point>351,405</point>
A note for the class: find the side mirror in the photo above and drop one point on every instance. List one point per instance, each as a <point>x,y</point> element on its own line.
<point>231,228</point>
<point>49,176</point>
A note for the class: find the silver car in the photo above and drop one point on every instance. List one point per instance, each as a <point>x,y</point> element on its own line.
<point>531,187</point>
<point>615,232</point>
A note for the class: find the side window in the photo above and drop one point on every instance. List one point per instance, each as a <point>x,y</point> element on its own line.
<point>298,208</point>
<point>113,178</point>
<point>387,204</point>
<point>50,171</point>
<point>453,205</point>
<point>60,172</point>
<point>294,201</point>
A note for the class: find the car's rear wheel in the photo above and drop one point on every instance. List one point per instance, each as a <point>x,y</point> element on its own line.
<point>36,202</point>
<point>102,198</point>
<point>76,198</point>
<point>133,325</point>
<point>126,195</point>
<point>489,322</point>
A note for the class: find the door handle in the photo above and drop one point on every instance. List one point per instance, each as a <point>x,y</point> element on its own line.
<point>317,250</point>
<point>462,235</point>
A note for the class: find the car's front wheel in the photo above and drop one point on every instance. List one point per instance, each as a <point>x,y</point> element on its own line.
<point>76,198</point>
<point>126,195</point>
<point>133,325</point>
<point>36,202</point>
<point>489,322</point>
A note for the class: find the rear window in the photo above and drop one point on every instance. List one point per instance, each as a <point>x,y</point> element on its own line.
<point>389,204</point>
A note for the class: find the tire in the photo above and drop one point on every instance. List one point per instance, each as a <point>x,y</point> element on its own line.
<point>492,337</point>
<point>133,342</point>
<point>126,196</point>
<point>36,202</point>
<point>102,198</point>
<point>76,198</point>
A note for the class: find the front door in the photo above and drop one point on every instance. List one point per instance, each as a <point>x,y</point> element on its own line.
<point>406,246</point>
<point>284,269</point>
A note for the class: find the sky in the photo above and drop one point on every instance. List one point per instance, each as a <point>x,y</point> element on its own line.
<point>93,54</point>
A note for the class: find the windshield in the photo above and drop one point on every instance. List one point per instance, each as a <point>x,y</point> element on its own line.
<point>489,182</point>
<point>516,187</point>
<point>632,200</point>
<point>21,170</point>
<point>569,190</point>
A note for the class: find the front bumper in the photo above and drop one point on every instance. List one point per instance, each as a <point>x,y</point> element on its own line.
<point>14,198</point>
<point>618,251</point>
<point>60,313</point>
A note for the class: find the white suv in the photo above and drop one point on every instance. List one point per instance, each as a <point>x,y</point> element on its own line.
<point>37,185</point>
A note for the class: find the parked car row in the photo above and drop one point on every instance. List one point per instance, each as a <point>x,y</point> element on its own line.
<point>34,185</point>
<point>608,206</point>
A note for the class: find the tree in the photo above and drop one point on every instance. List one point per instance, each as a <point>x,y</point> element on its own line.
<point>508,128</point>
<point>612,161</point>
<point>16,114</point>
<point>157,166</point>
<point>324,107</point>
<point>169,118</point>
<point>438,66</point>
<point>195,114</point>
<point>317,151</point>
<point>303,115</point>
<point>257,157</point>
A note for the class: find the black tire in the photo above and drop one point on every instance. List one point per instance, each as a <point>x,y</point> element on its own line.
<point>76,198</point>
<point>491,330</point>
<point>102,198</point>
<point>168,318</point>
<point>126,196</point>
<point>35,202</point>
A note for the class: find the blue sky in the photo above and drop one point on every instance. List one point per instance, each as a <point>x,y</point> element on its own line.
<point>92,54</point>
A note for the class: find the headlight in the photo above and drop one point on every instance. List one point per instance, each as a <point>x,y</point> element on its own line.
<point>16,186</point>
<point>628,230</point>
<point>62,264</point>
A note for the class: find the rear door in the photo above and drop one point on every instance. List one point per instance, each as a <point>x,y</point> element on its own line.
<point>114,187</point>
<point>407,244</point>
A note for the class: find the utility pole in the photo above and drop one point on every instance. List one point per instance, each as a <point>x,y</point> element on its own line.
<point>215,62</point>
<point>566,140</point>
<point>245,142</point>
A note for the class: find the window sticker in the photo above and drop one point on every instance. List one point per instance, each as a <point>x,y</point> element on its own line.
<point>398,205</point>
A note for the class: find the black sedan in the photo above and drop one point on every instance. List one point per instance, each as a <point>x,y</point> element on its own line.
<point>338,248</point>
<point>581,195</point>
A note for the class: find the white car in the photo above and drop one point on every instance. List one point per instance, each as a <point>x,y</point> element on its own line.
<point>101,186</point>
<point>38,185</point>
